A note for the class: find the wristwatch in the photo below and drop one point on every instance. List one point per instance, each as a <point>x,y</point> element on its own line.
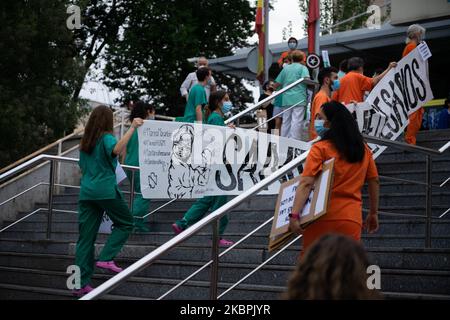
<point>294,216</point>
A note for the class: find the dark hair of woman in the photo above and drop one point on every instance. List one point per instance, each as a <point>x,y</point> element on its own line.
<point>333,268</point>
<point>214,102</point>
<point>99,123</point>
<point>140,110</point>
<point>343,132</point>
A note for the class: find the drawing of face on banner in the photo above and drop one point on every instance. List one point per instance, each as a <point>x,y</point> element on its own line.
<point>184,160</point>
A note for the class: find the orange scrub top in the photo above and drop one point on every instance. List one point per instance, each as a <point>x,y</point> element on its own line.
<point>352,88</point>
<point>345,201</point>
<point>320,98</point>
<point>409,47</point>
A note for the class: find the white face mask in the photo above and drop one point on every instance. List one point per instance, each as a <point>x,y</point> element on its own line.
<point>284,64</point>
<point>152,117</point>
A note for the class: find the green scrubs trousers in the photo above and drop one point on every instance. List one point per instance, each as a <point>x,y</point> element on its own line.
<point>140,205</point>
<point>90,214</point>
<point>200,208</point>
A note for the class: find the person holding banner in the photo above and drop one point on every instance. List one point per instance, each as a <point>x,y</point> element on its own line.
<point>354,165</point>
<point>415,35</point>
<point>140,205</point>
<point>219,104</point>
<point>354,84</point>
<point>99,193</point>
<point>328,80</point>
<point>197,97</point>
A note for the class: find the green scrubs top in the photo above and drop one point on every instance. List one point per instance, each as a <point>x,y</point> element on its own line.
<point>290,74</point>
<point>215,119</point>
<point>98,180</point>
<point>132,158</point>
<point>197,96</point>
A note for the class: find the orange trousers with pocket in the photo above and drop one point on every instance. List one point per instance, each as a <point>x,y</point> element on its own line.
<point>415,122</point>
<point>320,228</point>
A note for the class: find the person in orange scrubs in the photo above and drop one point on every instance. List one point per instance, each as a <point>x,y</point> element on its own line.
<point>354,165</point>
<point>328,80</point>
<point>415,35</point>
<point>292,45</point>
<point>354,84</point>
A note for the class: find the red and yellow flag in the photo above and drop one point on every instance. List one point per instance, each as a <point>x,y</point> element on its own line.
<point>260,29</point>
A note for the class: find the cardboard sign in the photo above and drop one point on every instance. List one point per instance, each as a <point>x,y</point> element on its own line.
<point>315,206</point>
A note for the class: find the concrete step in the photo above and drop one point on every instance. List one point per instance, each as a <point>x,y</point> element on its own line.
<point>260,238</point>
<point>141,287</point>
<point>438,176</point>
<point>385,257</point>
<point>237,223</point>
<point>408,164</point>
<point>26,292</point>
<point>405,199</point>
<point>147,287</point>
<point>440,196</point>
<point>398,280</point>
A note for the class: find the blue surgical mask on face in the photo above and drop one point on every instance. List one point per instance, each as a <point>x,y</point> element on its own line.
<point>335,85</point>
<point>319,127</point>
<point>227,106</point>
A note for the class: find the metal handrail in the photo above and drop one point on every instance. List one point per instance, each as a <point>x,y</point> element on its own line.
<point>159,116</point>
<point>51,145</point>
<point>306,81</point>
<point>214,216</point>
<point>220,255</point>
<point>286,110</point>
<point>49,157</point>
<point>259,267</point>
<point>405,146</point>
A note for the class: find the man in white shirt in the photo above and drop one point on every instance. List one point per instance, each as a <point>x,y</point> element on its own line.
<point>191,80</point>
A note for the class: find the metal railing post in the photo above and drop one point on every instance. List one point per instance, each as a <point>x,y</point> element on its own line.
<point>428,201</point>
<point>51,186</point>
<point>58,170</point>
<point>215,261</point>
<point>132,191</point>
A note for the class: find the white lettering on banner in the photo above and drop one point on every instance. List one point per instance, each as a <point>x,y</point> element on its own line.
<point>187,160</point>
<point>401,92</point>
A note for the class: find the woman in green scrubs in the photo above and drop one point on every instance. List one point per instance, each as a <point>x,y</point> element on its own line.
<point>140,205</point>
<point>219,104</point>
<point>99,193</point>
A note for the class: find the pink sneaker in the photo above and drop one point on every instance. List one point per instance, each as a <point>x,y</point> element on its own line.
<point>176,229</point>
<point>82,291</point>
<point>225,243</point>
<point>108,265</point>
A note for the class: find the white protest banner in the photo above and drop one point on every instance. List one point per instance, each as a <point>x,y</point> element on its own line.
<point>401,92</point>
<point>187,160</point>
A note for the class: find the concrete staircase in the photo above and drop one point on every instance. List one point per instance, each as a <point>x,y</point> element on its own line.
<point>34,268</point>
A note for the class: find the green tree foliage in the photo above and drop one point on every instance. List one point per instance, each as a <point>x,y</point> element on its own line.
<point>334,11</point>
<point>38,71</point>
<point>150,58</point>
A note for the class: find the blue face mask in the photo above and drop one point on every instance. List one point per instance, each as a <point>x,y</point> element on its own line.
<point>227,106</point>
<point>319,127</point>
<point>335,85</point>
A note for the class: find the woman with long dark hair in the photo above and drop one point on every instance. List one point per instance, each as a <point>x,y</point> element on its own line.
<point>145,111</point>
<point>99,193</point>
<point>334,268</point>
<point>219,104</point>
<point>354,165</point>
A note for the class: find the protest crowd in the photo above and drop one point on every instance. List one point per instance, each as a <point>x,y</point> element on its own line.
<point>328,118</point>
